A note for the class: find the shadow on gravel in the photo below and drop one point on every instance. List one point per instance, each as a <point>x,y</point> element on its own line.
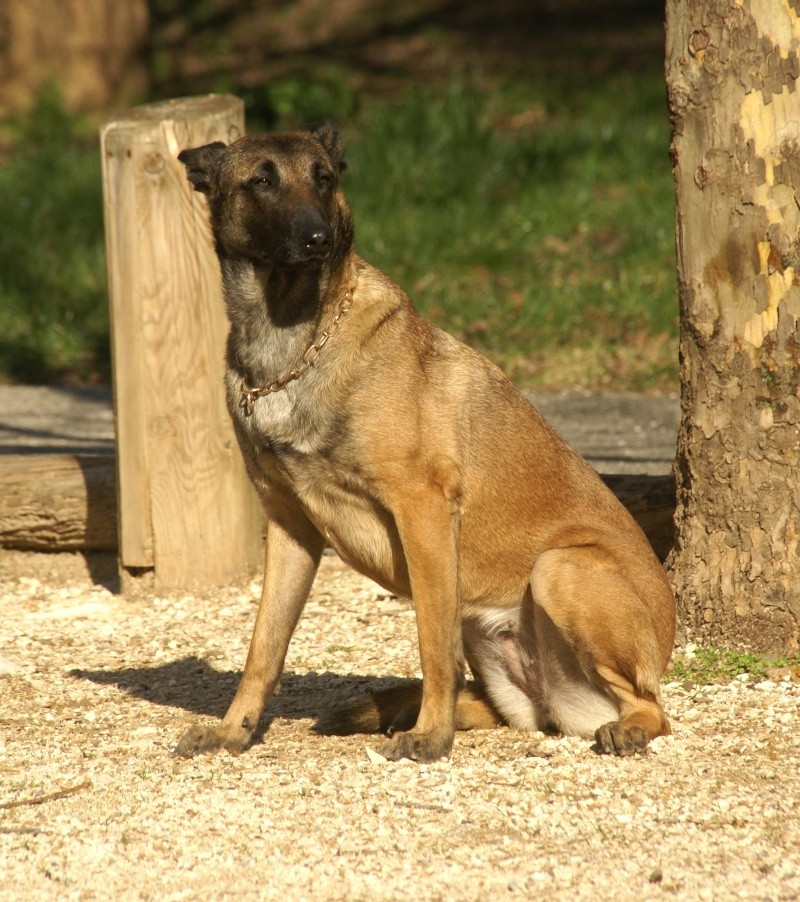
<point>194,685</point>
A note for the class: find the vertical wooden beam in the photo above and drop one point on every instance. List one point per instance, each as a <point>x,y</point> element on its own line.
<point>186,507</point>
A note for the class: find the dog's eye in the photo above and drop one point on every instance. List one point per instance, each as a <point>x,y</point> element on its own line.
<point>325,180</point>
<point>260,181</point>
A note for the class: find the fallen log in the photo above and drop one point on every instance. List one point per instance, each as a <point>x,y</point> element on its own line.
<point>68,502</point>
<point>58,502</point>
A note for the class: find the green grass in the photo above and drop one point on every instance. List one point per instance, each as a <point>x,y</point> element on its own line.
<point>721,665</point>
<point>534,231</point>
<point>532,220</point>
<point>53,308</point>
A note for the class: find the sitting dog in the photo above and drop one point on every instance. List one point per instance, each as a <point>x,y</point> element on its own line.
<point>365,427</point>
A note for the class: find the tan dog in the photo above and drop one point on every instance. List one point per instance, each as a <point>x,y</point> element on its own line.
<point>365,427</point>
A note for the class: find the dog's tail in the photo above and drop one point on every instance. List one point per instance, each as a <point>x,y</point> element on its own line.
<point>397,708</point>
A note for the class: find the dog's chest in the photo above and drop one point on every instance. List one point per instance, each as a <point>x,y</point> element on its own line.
<point>282,424</point>
<point>313,456</point>
<point>298,438</point>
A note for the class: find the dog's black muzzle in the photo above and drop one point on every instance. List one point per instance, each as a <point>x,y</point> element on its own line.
<point>311,236</point>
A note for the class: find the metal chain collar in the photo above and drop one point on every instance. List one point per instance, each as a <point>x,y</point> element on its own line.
<point>309,358</point>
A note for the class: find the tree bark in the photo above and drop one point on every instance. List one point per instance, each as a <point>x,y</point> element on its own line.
<point>732,70</point>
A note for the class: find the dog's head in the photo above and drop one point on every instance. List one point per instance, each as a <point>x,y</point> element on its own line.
<point>275,198</point>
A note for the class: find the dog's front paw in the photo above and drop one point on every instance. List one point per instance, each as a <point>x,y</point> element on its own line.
<point>421,747</point>
<point>199,740</point>
<point>617,738</point>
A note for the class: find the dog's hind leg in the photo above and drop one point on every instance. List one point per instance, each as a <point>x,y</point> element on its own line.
<point>603,644</point>
<point>293,549</point>
<point>397,708</point>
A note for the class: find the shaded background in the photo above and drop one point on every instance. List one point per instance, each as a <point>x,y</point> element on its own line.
<point>508,164</point>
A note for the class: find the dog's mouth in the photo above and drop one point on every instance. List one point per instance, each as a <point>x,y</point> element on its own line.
<point>309,261</point>
<point>303,255</point>
<point>290,258</point>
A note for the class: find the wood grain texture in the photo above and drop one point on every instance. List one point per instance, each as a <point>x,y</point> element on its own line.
<point>58,502</point>
<point>186,506</point>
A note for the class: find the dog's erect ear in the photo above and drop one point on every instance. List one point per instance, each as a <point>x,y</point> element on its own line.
<point>201,164</point>
<point>328,137</point>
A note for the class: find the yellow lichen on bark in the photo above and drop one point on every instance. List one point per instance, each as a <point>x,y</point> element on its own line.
<point>769,127</point>
<point>761,324</point>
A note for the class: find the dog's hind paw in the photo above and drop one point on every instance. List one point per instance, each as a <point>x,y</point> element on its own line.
<point>199,740</point>
<point>617,738</point>
<point>421,747</point>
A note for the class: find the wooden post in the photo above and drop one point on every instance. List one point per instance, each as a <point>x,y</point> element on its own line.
<point>187,511</point>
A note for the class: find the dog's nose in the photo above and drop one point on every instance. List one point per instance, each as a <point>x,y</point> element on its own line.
<point>317,241</point>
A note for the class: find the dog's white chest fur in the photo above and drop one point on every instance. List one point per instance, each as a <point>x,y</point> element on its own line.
<point>279,420</point>
<point>274,416</point>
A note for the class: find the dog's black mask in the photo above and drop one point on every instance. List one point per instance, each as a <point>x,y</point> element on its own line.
<point>274,198</point>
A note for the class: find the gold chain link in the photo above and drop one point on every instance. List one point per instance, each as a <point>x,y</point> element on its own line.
<point>309,358</point>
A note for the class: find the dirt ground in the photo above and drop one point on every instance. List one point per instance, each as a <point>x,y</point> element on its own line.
<point>96,691</point>
<point>619,433</point>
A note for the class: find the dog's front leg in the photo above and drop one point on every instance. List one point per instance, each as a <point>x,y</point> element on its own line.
<point>427,524</point>
<point>292,553</point>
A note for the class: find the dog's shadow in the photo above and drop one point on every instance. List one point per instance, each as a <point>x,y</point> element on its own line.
<point>193,684</point>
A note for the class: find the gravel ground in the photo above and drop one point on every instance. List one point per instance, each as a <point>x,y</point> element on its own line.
<point>95,691</point>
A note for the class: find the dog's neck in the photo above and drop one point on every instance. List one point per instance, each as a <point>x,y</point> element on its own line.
<point>276,313</point>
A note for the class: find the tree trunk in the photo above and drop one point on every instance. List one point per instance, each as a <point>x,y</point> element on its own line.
<point>94,49</point>
<point>732,70</point>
